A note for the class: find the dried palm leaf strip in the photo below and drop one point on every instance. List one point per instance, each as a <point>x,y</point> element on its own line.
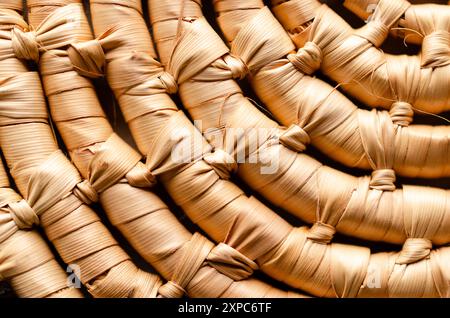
<point>401,83</point>
<point>191,263</point>
<point>331,122</point>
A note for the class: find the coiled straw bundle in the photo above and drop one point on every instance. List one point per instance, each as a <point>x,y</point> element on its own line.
<point>229,215</point>
<point>25,259</point>
<point>251,236</point>
<point>191,263</point>
<point>48,182</point>
<point>400,83</point>
<point>332,123</point>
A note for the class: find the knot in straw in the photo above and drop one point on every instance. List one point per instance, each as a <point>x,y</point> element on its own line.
<point>401,113</point>
<point>231,262</point>
<point>321,233</point>
<point>237,66</point>
<point>88,58</point>
<point>295,138</point>
<point>383,179</point>
<point>414,249</point>
<point>25,45</point>
<point>171,290</point>
<point>86,192</point>
<point>169,83</point>
<point>308,58</point>
<point>374,31</point>
<point>222,163</point>
<point>436,49</point>
<point>23,215</point>
<point>140,176</point>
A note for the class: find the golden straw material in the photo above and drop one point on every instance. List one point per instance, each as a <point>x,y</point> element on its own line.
<point>220,208</point>
<point>328,119</point>
<point>418,21</point>
<point>191,263</point>
<point>369,208</point>
<point>51,185</point>
<point>351,56</point>
<point>26,262</point>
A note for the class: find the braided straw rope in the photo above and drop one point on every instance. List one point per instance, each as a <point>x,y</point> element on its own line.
<point>50,184</point>
<point>292,255</point>
<point>26,262</point>
<point>334,124</point>
<point>395,82</point>
<point>193,265</point>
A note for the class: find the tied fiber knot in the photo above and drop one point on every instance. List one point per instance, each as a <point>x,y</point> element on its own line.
<point>140,176</point>
<point>171,290</point>
<point>414,249</point>
<point>237,66</point>
<point>86,192</point>
<point>321,233</point>
<point>308,58</point>
<point>169,83</point>
<point>23,215</point>
<point>25,45</point>
<point>88,58</point>
<point>436,49</point>
<point>401,113</point>
<point>295,138</point>
<point>222,163</point>
<point>383,179</point>
<point>374,31</point>
<point>230,262</point>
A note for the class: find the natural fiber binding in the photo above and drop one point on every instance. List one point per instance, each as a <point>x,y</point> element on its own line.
<point>402,113</point>
<point>23,214</point>
<point>414,250</point>
<point>307,59</point>
<point>295,138</point>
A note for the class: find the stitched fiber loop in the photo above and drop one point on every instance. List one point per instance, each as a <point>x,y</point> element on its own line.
<point>86,192</point>
<point>295,138</point>
<point>23,215</point>
<point>171,290</point>
<point>169,83</point>
<point>308,59</point>
<point>222,163</point>
<point>238,68</point>
<point>401,113</point>
<point>321,233</point>
<point>25,45</point>
<point>140,176</point>
<point>414,249</point>
<point>231,262</point>
<point>87,58</point>
<point>383,179</point>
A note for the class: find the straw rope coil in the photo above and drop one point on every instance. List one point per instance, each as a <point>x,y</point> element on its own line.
<point>26,262</point>
<point>191,263</point>
<point>190,184</point>
<point>355,137</point>
<point>400,83</point>
<point>51,186</point>
<point>196,63</point>
<point>370,208</point>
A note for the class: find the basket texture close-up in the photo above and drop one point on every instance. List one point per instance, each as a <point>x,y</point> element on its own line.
<point>224,149</point>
